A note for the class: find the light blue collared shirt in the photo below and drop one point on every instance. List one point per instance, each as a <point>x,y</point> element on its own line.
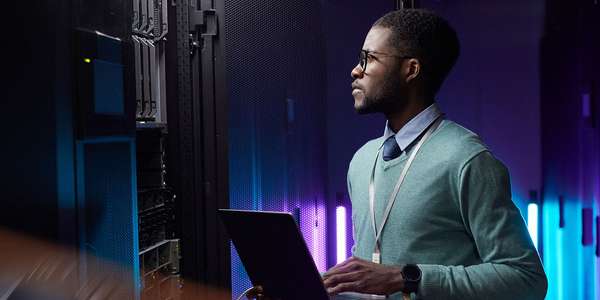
<point>413,129</point>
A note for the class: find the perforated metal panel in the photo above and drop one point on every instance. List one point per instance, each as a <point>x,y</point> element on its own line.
<point>107,206</point>
<point>275,80</point>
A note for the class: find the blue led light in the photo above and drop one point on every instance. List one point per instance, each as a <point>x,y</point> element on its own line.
<point>532,222</point>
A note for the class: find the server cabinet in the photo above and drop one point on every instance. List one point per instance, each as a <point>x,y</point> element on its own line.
<point>105,160</point>
<point>130,162</point>
<point>198,119</point>
<point>173,114</point>
<point>275,83</point>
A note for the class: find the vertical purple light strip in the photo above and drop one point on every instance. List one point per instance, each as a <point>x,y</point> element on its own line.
<point>585,105</point>
<point>313,228</point>
<point>322,230</point>
<point>340,233</point>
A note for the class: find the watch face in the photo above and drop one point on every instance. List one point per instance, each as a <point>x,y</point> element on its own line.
<point>411,273</point>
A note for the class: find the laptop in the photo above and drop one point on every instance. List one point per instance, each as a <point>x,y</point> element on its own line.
<point>275,255</point>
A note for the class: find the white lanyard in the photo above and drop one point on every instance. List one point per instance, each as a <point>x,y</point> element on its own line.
<point>377,252</point>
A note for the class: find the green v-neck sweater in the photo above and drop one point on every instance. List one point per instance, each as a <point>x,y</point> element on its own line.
<point>453,217</point>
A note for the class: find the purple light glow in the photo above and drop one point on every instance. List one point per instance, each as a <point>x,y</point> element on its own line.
<point>340,233</point>
<point>312,224</point>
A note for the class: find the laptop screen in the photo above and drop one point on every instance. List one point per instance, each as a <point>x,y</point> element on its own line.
<point>274,254</point>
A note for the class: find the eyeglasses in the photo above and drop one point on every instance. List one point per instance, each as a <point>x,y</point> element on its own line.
<point>365,55</point>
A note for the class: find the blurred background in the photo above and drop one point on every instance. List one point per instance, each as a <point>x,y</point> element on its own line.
<point>128,123</point>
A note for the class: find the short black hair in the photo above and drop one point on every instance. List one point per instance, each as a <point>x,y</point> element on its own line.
<point>426,36</point>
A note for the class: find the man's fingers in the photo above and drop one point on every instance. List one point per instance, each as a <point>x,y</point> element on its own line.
<point>343,287</point>
<point>342,267</point>
<point>341,278</point>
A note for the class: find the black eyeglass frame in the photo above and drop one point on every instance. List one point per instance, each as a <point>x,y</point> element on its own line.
<point>364,55</point>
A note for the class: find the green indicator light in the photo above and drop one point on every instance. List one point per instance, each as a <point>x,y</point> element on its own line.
<point>87,60</point>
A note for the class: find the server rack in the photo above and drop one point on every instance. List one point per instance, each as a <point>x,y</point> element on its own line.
<point>159,247</point>
<point>181,145</point>
<point>119,180</point>
<point>175,115</point>
<point>159,255</point>
<point>200,146</point>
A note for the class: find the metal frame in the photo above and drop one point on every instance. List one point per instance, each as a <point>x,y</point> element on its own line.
<point>402,4</point>
<point>196,100</point>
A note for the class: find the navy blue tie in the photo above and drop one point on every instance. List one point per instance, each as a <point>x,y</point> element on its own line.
<point>391,149</point>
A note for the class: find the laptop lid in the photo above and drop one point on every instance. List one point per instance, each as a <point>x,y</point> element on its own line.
<point>274,254</point>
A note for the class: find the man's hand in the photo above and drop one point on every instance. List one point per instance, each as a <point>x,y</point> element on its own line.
<point>361,276</point>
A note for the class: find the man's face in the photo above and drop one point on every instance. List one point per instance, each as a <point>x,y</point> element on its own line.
<point>379,87</point>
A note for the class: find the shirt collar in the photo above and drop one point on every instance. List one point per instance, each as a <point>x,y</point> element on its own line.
<point>411,130</point>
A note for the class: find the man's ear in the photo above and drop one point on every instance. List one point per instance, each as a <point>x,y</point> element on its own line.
<point>412,69</point>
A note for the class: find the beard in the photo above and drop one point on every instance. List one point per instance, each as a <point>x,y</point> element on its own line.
<point>384,100</point>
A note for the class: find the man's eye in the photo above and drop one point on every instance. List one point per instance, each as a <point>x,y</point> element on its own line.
<point>370,57</point>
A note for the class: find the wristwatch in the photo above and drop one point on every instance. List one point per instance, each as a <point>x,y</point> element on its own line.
<point>412,276</point>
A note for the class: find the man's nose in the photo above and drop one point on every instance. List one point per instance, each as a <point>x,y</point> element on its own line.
<point>357,72</point>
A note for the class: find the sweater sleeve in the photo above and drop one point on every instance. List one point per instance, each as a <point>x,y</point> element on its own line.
<point>510,267</point>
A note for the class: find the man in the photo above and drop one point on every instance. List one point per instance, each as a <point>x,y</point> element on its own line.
<point>431,206</point>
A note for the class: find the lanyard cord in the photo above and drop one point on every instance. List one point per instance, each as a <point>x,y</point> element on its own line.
<point>392,198</point>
